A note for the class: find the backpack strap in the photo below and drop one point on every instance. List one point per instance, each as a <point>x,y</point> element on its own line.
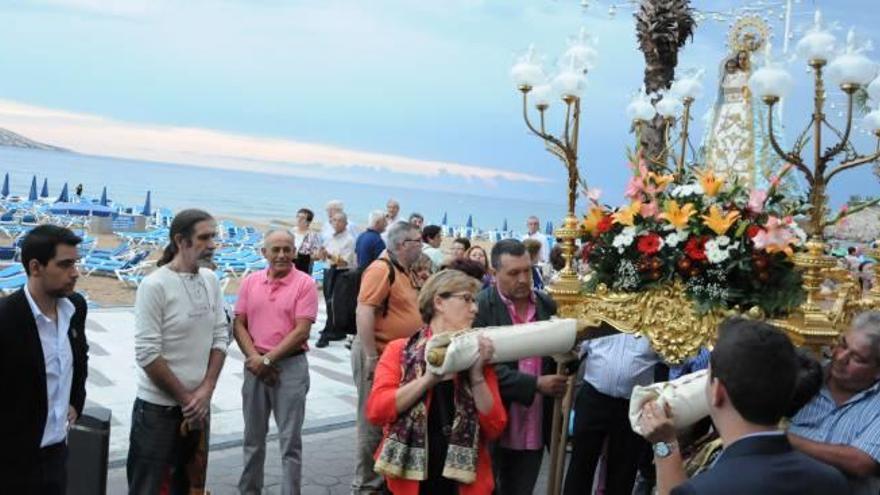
<point>391,275</point>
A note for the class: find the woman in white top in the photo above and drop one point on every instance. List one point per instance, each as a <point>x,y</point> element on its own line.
<point>308,242</point>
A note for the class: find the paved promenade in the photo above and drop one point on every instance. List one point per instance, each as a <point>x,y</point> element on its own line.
<point>112,382</point>
<point>328,464</point>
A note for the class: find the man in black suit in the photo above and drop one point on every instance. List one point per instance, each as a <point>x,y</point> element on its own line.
<point>752,375</point>
<point>43,356</point>
<point>518,453</point>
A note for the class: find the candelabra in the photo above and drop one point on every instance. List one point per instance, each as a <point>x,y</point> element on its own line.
<point>567,86</point>
<point>674,107</point>
<point>813,325</point>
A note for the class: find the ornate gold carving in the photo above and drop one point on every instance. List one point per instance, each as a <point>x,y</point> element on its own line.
<point>663,314</point>
<point>749,34</point>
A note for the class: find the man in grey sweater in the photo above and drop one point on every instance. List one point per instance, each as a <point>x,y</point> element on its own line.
<point>180,345</point>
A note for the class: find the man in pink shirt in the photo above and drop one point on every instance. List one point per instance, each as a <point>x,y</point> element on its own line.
<point>273,317</point>
<point>525,384</point>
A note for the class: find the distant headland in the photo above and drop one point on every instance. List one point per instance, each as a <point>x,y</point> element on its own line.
<point>13,140</point>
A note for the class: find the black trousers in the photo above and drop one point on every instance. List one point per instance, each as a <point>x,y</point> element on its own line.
<point>49,476</point>
<point>329,283</point>
<point>599,417</point>
<point>516,471</point>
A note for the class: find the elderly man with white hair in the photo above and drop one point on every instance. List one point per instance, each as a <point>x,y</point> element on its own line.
<point>333,207</point>
<point>369,244</point>
<point>840,426</point>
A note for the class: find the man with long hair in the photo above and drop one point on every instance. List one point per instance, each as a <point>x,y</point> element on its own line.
<point>181,335</point>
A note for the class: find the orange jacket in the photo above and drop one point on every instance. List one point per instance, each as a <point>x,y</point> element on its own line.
<point>382,411</point>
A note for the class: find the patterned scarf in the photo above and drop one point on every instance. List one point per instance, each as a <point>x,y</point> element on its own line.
<point>404,452</point>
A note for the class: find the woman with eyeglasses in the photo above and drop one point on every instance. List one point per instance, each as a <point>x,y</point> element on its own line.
<point>437,428</point>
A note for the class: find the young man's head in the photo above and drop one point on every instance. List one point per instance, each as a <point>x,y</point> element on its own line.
<point>513,269</point>
<point>49,256</point>
<point>278,249</point>
<point>855,362</point>
<point>191,239</point>
<point>432,235</point>
<point>752,374</point>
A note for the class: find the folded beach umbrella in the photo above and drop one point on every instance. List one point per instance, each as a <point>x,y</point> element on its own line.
<point>147,210</point>
<point>444,222</point>
<point>45,192</point>
<point>5,191</point>
<point>64,197</point>
<point>104,197</point>
<point>504,226</point>
<point>549,229</point>
<point>32,196</point>
<point>470,222</point>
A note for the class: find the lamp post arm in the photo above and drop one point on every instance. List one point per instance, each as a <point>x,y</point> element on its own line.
<point>852,164</point>
<point>844,139</point>
<point>540,134</point>
<point>565,134</point>
<point>789,157</point>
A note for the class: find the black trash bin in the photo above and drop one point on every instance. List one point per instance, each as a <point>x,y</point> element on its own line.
<point>88,447</point>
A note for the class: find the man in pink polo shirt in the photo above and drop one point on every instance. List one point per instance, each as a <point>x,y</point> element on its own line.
<point>273,317</point>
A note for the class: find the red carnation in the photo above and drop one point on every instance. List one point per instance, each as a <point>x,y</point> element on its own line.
<point>605,224</point>
<point>648,244</point>
<point>695,248</point>
<point>586,251</point>
<point>753,230</point>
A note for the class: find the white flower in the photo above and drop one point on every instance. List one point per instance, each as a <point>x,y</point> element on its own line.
<point>722,240</point>
<point>624,239</point>
<point>674,239</point>
<point>715,253</point>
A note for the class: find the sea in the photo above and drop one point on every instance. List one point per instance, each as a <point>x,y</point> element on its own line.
<point>251,195</point>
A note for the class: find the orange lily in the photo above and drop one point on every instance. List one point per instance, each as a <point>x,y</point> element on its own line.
<point>591,221</point>
<point>718,221</point>
<point>711,183</point>
<point>626,215</point>
<point>676,215</point>
<point>661,181</point>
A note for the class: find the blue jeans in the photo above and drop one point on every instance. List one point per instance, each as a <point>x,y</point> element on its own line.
<point>157,451</point>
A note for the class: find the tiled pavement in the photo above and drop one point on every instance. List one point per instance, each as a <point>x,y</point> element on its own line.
<point>328,464</point>
<point>112,382</point>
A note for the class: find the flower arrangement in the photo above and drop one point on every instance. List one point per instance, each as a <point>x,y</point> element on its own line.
<point>730,247</point>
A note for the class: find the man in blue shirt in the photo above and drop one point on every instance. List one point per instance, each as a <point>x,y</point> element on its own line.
<point>840,426</point>
<point>369,244</point>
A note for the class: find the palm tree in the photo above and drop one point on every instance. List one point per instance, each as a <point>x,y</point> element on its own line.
<point>662,29</point>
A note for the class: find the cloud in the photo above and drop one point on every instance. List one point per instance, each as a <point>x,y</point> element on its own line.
<point>92,134</point>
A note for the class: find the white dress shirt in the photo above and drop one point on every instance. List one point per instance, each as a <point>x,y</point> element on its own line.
<point>58,356</point>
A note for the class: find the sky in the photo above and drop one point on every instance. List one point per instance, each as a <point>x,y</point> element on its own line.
<point>399,92</point>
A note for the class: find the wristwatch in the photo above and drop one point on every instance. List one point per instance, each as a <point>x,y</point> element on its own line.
<point>663,449</point>
<point>267,361</point>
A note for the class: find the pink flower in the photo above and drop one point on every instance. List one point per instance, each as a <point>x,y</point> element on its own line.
<point>594,194</point>
<point>634,187</point>
<point>756,200</point>
<point>776,237</point>
<point>650,210</point>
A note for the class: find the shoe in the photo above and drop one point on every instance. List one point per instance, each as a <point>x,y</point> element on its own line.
<point>332,336</point>
<point>322,342</point>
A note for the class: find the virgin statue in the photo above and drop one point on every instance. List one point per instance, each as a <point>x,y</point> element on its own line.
<point>737,142</point>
